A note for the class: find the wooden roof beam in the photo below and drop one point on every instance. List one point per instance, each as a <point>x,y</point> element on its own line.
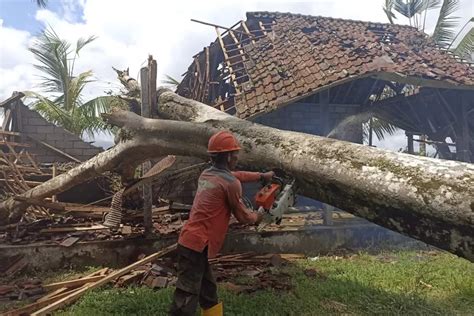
<point>247,31</point>
<point>220,26</point>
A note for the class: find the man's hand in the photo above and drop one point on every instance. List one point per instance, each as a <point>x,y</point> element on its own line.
<point>267,176</point>
<point>260,214</point>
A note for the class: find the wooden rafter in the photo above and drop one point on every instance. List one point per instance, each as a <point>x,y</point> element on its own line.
<point>207,75</point>
<point>226,58</point>
<point>262,28</point>
<point>247,31</point>
<point>15,97</point>
<point>219,26</point>
<point>234,38</point>
<point>7,119</point>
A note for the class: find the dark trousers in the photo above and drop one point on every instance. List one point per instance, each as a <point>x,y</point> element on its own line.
<point>195,284</point>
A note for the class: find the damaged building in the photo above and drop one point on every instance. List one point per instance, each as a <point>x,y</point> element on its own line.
<point>316,75</point>
<point>309,73</point>
<point>327,76</point>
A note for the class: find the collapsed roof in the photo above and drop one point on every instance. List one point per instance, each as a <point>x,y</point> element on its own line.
<point>273,59</point>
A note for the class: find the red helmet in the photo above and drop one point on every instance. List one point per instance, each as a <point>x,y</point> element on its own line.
<point>222,141</point>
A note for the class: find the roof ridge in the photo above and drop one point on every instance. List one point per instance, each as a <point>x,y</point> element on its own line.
<point>255,14</point>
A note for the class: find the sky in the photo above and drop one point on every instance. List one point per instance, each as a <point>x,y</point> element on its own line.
<point>128,31</point>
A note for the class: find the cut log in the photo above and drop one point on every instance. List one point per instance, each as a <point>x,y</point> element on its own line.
<point>428,199</point>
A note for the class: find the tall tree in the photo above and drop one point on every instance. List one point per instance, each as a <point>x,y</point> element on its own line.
<point>428,199</point>
<point>64,105</point>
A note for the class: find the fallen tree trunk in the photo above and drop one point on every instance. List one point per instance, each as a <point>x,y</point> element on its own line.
<point>428,199</point>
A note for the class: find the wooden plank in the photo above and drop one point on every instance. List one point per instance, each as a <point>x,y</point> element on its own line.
<point>371,122</point>
<point>18,156</point>
<point>72,229</point>
<point>15,96</point>
<point>68,242</point>
<point>14,144</point>
<point>6,121</point>
<point>28,309</point>
<point>52,294</point>
<point>207,76</point>
<point>247,31</point>
<point>152,74</point>
<point>114,275</point>
<point>12,151</point>
<point>71,283</point>
<point>145,75</point>
<point>262,27</point>
<point>33,162</point>
<point>18,119</point>
<point>59,151</point>
<point>226,58</point>
<point>54,198</point>
<point>197,84</point>
<point>218,26</point>
<point>42,203</point>
<point>242,53</point>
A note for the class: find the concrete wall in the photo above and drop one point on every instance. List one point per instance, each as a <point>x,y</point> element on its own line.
<point>311,241</point>
<point>35,125</point>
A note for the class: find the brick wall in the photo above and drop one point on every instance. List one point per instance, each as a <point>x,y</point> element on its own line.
<point>34,125</point>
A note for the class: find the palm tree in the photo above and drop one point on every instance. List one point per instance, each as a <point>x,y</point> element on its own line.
<point>444,32</point>
<point>65,106</point>
<point>171,81</point>
<point>41,3</point>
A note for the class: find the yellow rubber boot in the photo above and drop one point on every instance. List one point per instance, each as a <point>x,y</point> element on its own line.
<point>216,310</point>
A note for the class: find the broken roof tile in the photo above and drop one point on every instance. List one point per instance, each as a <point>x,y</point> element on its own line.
<point>302,53</point>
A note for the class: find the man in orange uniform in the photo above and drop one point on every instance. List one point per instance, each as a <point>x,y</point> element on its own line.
<point>219,195</point>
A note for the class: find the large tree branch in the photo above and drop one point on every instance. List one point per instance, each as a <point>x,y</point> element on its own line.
<point>428,199</point>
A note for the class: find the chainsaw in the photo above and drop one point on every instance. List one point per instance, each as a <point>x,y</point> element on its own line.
<point>274,199</point>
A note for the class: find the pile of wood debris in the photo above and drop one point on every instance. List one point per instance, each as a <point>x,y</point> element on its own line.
<point>244,272</point>
<point>76,222</point>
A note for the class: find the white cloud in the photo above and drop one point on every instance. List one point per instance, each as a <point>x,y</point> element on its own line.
<point>16,69</point>
<point>128,33</point>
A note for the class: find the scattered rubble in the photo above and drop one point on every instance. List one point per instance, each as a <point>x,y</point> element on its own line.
<point>240,273</point>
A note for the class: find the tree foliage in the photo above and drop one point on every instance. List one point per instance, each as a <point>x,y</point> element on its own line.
<point>65,105</point>
<point>444,33</point>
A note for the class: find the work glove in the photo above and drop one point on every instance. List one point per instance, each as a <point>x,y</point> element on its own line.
<point>267,176</point>
<point>260,214</point>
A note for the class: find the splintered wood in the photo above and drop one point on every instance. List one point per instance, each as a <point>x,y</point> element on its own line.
<point>155,271</point>
<point>61,294</point>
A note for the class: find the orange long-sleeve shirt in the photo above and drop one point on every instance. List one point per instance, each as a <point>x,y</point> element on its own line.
<point>219,194</point>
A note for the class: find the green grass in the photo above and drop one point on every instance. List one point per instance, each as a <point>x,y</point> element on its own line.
<point>408,283</point>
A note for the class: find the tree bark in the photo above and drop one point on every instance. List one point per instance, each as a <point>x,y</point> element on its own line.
<point>428,199</point>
